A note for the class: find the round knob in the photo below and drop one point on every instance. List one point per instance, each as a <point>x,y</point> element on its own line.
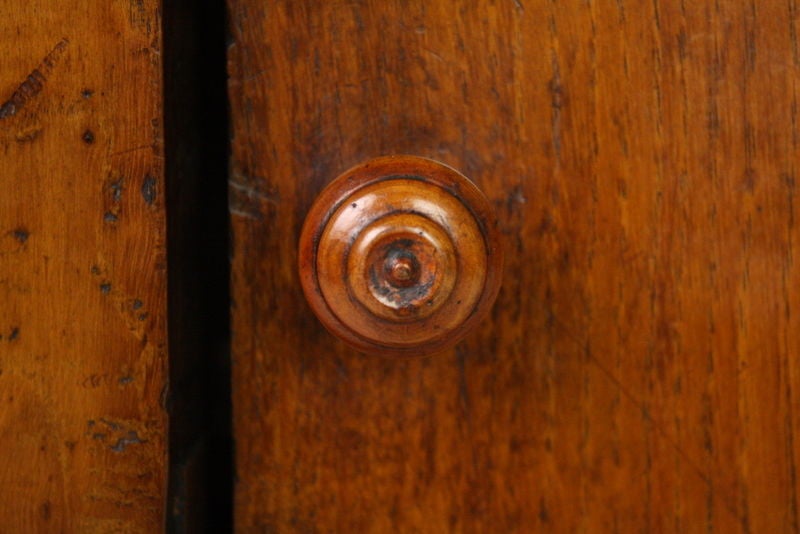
<point>401,256</point>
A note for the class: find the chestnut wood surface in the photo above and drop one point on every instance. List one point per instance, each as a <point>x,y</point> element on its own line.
<point>640,371</point>
<point>82,268</point>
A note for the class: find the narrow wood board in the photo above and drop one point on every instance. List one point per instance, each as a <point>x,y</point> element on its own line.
<point>82,268</point>
<point>640,370</point>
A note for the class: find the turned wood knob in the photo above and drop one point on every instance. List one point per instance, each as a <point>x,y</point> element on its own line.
<point>401,256</point>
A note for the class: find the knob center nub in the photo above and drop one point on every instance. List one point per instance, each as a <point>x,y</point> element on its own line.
<point>402,270</point>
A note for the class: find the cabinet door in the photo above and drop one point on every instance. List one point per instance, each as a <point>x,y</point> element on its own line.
<point>83,359</point>
<point>639,370</point>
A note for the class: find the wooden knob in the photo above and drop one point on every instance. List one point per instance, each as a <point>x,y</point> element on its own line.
<point>400,256</point>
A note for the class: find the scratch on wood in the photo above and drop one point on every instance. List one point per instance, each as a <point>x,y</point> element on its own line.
<point>245,214</point>
<point>138,15</point>
<point>557,98</point>
<point>131,438</point>
<point>246,195</point>
<point>699,469</point>
<point>120,433</point>
<point>273,197</point>
<point>132,149</point>
<point>436,55</point>
<point>116,187</point>
<point>28,134</point>
<point>35,81</point>
<point>149,190</point>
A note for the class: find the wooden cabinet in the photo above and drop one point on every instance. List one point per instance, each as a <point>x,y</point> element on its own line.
<point>639,371</point>
<point>83,268</point>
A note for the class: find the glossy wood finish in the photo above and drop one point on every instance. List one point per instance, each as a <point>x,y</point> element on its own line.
<point>82,268</point>
<point>639,372</point>
<point>400,256</point>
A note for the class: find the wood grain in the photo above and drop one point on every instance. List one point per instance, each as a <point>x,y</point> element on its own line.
<point>82,268</point>
<point>640,368</point>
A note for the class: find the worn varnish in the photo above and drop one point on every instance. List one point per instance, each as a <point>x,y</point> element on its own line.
<point>82,268</point>
<point>640,369</point>
<point>400,256</point>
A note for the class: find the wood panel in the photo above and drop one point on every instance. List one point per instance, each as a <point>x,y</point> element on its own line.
<point>639,371</point>
<point>82,268</point>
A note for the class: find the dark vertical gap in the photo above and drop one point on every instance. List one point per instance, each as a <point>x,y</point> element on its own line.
<point>200,495</point>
